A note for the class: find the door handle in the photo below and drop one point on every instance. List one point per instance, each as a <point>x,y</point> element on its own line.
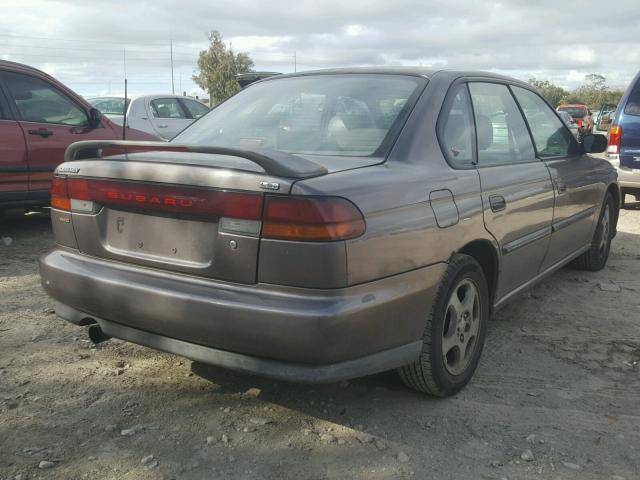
<point>497,203</point>
<point>42,132</point>
<point>163,126</point>
<point>561,187</point>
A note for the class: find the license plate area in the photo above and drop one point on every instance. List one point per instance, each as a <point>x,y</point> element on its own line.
<point>186,245</point>
<point>161,239</point>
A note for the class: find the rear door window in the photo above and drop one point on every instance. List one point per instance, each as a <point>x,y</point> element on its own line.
<point>456,130</point>
<point>551,136</point>
<point>167,108</point>
<point>196,109</point>
<point>502,135</point>
<point>633,102</point>
<point>38,101</point>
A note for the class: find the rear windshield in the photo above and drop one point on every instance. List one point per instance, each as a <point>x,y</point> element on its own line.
<point>633,102</point>
<point>342,115</point>
<point>575,112</point>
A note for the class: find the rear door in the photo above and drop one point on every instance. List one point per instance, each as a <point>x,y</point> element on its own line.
<point>578,189</point>
<point>517,193</point>
<point>14,173</point>
<point>50,121</point>
<point>168,116</point>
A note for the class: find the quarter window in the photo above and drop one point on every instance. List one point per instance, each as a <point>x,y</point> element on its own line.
<point>456,134</point>
<point>37,101</point>
<point>551,136</point>
<point>502,135</point>
<point>167,108</point>
<point>633,103</point>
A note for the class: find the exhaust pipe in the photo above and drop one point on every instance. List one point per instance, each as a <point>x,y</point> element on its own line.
<point>96,335</point>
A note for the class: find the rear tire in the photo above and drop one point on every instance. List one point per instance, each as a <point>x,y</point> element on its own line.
<point>596,257</point>
<point>455,331</point>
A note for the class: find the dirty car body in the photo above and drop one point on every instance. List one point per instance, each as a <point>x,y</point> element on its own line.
<point>326,225</point>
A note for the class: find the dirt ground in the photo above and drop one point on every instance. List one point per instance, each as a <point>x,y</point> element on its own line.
<point>556,396</point>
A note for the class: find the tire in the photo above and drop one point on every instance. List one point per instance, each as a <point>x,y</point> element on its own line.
<point>443,375</point>
<point>596,257</point>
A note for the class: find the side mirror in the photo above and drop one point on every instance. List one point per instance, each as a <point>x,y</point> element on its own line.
<point>94,118</point>
<point>594,143</point>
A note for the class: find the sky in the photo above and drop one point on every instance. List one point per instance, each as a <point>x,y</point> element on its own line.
<point>89,45</point>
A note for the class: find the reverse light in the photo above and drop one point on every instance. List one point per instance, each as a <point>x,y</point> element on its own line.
<point>615,136</point>
<point>311,219</point>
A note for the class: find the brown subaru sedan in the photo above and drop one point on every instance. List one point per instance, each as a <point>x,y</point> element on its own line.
<point>326,225</point>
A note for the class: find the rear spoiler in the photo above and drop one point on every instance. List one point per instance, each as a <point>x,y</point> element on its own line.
<point>273,162</point>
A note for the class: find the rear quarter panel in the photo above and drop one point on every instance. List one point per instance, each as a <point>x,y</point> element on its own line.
<point>402,231</point>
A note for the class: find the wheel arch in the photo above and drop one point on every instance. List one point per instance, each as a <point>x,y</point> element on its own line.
<point>484,252</point>
<point>616,194</point>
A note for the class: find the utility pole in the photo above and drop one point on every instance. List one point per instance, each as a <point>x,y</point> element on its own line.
<point>173,87</point>
<point>295,61</point>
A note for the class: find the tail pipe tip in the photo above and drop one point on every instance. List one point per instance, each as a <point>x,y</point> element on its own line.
<point>96,335</point>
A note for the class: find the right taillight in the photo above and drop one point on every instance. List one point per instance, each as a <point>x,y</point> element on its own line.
<point>311,219</point>
<point>615,135</point>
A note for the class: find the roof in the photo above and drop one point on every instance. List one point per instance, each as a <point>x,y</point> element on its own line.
<point>20,66</point>
<point>424,72</point>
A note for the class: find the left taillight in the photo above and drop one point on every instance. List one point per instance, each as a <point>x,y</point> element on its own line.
<point>60,194</point>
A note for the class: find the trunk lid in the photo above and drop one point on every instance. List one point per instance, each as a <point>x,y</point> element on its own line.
<point>138,214</point>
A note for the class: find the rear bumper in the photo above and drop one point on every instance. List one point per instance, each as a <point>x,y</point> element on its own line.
<point>284,332</point>
<point>628,179</point>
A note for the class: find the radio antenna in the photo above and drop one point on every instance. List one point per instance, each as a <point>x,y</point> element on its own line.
<point>124,117</point>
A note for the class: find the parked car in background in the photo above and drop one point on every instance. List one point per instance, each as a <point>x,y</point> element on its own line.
<point>581,114</point>
<point>39,119</point>
<point>624,140</point>
<point>569,122</point>
<point>326,225</point>
<point>161,115</point>
<point>111,107</point>
<point>604,120</point>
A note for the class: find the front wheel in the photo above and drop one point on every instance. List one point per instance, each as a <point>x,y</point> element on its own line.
<point>454,333</point>
<point>596,257</point>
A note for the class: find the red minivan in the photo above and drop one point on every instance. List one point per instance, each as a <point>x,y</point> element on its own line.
<point>39,119</point>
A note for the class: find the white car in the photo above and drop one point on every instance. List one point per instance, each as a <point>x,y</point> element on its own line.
<point>161,115</point>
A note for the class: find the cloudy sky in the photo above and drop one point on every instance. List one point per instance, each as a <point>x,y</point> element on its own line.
<point>85,43</point>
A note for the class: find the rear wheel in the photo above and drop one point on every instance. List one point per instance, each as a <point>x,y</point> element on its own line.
<point>454,333</point>
<point>596,257</point>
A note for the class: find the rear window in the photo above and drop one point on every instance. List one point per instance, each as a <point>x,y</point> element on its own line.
<point>575,112</point>
<point>633,102</point>
<point>341,115</point>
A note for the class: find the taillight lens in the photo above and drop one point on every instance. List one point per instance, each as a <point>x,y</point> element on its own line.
<point>311,219</point>
<point>170,199</point>
<point>59,194</point>
<point>615,135</point>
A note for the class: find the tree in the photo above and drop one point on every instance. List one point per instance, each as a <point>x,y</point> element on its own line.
<point>218,68</point>
<point>555,95</point>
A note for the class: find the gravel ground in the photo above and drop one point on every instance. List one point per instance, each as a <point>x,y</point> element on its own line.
<point>556,396</point>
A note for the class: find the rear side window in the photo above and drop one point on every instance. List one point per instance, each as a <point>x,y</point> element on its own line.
<point>456,129</point>
<point>167,108</point>
<point>502,135</point>
<point>196,109</point>
<point>551,136</point>
<point>633,102</point>
<point>37,101</point>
